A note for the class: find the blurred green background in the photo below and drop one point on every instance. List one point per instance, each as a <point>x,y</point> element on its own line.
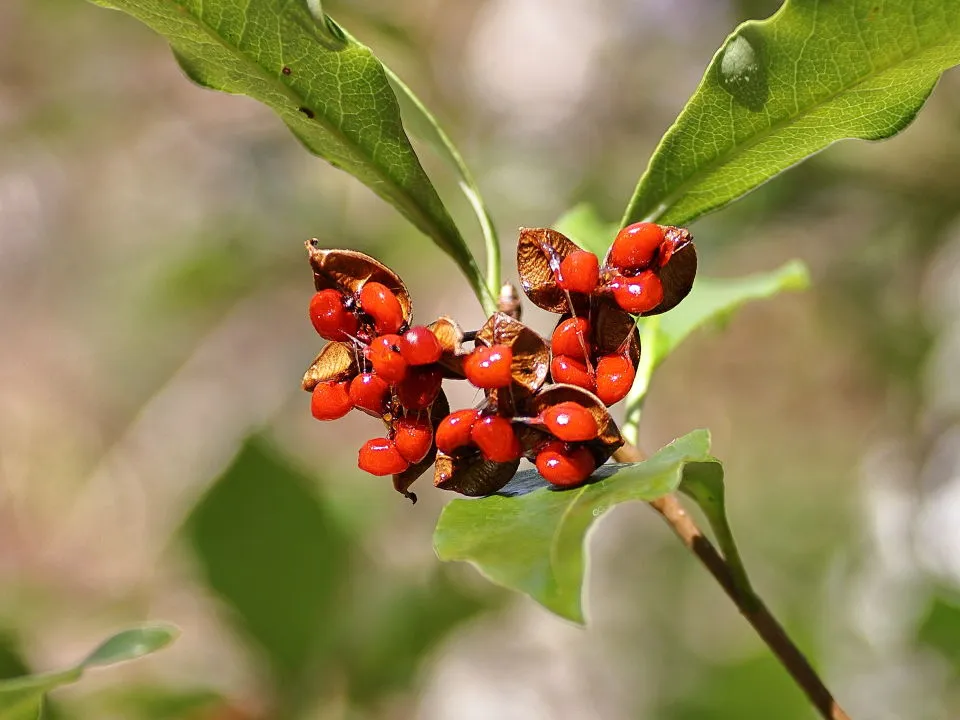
<point>158,460</point>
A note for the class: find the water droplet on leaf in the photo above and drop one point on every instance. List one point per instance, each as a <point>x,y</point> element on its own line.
<point>741,71</point>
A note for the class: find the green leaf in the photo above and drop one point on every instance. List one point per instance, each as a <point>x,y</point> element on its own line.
<point>586,228</point>
<point>330,90</point>
<point>784,88</point>
<point>275,553</point>
<point>22,697</point>
<point>940,627</point>
<point>530,537</point>
<point>712,300</point>
<point>130,645</point>
<point>706,489</point>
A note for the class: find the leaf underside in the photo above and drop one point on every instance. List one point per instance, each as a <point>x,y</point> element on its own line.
<point>784,88</point>
<point>530,537</point>
<point>330,90</point>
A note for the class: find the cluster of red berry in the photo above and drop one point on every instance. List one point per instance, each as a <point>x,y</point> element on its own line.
<point>380,364</point>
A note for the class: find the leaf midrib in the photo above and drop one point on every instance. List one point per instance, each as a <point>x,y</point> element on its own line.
<point>300,100</point>
<point>721,160</point>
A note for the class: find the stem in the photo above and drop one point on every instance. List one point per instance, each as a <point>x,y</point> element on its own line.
<point>490,240</point>
<point>638,392</point>
<point>738,589</point>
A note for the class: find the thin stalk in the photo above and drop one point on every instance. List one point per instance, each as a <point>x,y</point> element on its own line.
<point>738,589</point>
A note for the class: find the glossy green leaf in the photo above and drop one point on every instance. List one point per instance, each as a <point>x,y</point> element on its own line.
<point>22,697</point>
<point>530,537</point>
<point>329,89</point>
<point>278,557</point>
<point>712,300</point>
<point>784,88</point>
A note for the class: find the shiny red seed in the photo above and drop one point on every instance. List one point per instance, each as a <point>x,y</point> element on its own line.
<point>380,303</point>
<point>369,392</point>
<point>419,388</point>
<point>615,376</point>
<point>572,337</point>
<point>566,369</point>
<point>563,466</point>
<point>579,272</point>
<point>330,317</point>
<point>381,457</point>
<point>413,438</point>
<point>489,367</point>
<point>495,437</point>
<point>384,354</point>
<point>638,294</point>
<point>454,430</point>
<point>570,422</point>
<point>420,346</point>
<point>668,247</point>
<point>330,401</point>
<point>635,246</point>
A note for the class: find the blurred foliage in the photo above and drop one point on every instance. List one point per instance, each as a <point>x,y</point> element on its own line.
<point>129,249</point>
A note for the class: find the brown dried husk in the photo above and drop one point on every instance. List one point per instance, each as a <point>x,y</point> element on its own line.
<point>402,481</point>
<point>337,361</point>
<point>609,437</point>
<point>610,327</point>
<point>539,254</point>
<point>677,275</point>
<point>470,474</point>
<point>348,270</point>
<point>531,356</point>
<point>450,336</point>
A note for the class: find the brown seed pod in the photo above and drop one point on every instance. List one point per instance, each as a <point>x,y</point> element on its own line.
<point>337,361</point>
<point>450,336</point>
<point>677,275</point>
<point>470,474</point>
<point>402,481</point>
<point>611,326</point>
<point>348,270</point>
<point>531,356</point>
<point>539,254</point>
<point>609,438</point>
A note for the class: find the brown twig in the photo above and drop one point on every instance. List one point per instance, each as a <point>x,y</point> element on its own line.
<point>750,606</point>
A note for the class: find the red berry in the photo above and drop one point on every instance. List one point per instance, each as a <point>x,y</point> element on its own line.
<point>379,302</point>
<point>566,369</point>
<point>384,355</point>
<point>413,438</point>
<point>638,294</point>
<point>570,421</point>
<point>635,246</point>
<point>420,346</point>
<point>330,401</point>
<point>330,317</point>
<point>419,388</point>
<point>572,337</point>
<point>369,392</point>
<point>579,272</point>
<point>489,367</point>
<point>454,430</point>
<point>381,457</point>
<point>495,437</point>
<point>615,375</point>
<point>668,247</point>
<point>565,467</point>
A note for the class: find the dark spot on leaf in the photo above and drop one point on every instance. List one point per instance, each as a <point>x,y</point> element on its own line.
<point>286,70</point>
<point>307,111</point>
